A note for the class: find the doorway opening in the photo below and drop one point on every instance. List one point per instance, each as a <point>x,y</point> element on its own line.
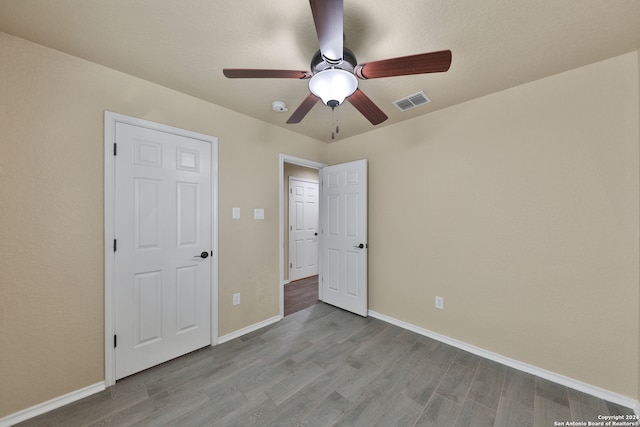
<point>343,246</point>
<point>300,291</point>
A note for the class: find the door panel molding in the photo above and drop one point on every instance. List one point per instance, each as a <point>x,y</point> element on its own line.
<point>148,155</point>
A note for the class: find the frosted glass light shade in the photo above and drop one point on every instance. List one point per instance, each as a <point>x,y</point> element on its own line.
<point>333,85</point>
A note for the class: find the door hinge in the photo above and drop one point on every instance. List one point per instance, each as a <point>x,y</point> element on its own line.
<point>115,149</point>
<point>115,341</point>
<point>290,265</point>
<point>115,245</point>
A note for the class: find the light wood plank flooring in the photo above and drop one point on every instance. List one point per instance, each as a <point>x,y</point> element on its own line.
<point>323,367</point>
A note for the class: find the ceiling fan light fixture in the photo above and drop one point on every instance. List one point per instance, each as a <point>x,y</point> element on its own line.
<point>333,85</point>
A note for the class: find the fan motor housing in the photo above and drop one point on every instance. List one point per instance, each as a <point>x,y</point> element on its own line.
<point>318,63</point>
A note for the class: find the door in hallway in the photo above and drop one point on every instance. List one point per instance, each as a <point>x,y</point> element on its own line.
<point>303,228</point>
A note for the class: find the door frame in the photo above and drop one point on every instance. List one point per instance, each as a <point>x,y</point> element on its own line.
<point>110,120</point>
<point>285,158</point>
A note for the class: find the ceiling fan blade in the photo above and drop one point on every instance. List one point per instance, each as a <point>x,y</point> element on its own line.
<point>249,73</point>
<point>303,109</point>
<point>328,16</point>
<point>367,107</point>
<point>433,62</point>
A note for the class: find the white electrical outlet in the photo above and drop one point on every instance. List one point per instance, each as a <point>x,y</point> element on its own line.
<point>236,299</point>
<point>440,303</point>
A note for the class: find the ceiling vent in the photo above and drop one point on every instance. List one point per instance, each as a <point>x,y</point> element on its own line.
<point>412,101</point>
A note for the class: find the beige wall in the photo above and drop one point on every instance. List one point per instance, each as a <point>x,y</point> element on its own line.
<point>521,210</point>
<point>295,171</point>
<point>51,217</point>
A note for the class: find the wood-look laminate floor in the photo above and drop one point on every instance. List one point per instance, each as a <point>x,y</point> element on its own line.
<point>323,367</point>
<point>300,294</point>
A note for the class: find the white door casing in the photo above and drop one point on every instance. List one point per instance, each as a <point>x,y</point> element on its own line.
<point>160,286</point>
<point>303,228</point>
<point>344,247</point>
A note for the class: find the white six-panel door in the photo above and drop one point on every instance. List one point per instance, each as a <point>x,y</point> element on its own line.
<point>344,245</point>
<point>303,228</point>
<point>163,230</point>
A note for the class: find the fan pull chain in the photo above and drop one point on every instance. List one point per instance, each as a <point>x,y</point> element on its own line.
<point>333,120</point>
<point>335,117</point>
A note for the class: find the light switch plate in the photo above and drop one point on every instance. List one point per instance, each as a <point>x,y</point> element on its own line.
<point>236,213</point>
<point>258,214</point>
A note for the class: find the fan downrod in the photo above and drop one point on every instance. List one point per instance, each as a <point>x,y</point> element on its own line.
<point>348,63</point>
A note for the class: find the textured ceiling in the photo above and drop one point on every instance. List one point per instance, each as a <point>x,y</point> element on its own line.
<point>184,45</point>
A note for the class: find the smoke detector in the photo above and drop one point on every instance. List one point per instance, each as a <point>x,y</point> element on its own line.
<point>279,107</point>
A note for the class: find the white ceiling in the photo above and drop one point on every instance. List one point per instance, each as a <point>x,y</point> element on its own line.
<point>184,45</point>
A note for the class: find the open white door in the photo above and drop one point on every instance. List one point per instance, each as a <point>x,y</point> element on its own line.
<point>343,254</point>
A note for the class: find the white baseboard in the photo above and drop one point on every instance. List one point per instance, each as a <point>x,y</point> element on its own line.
<point>521,366</point>
<point>248,329</point>
<point>50,405</point>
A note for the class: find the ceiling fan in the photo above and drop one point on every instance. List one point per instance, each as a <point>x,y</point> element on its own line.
<point>335,72</point>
